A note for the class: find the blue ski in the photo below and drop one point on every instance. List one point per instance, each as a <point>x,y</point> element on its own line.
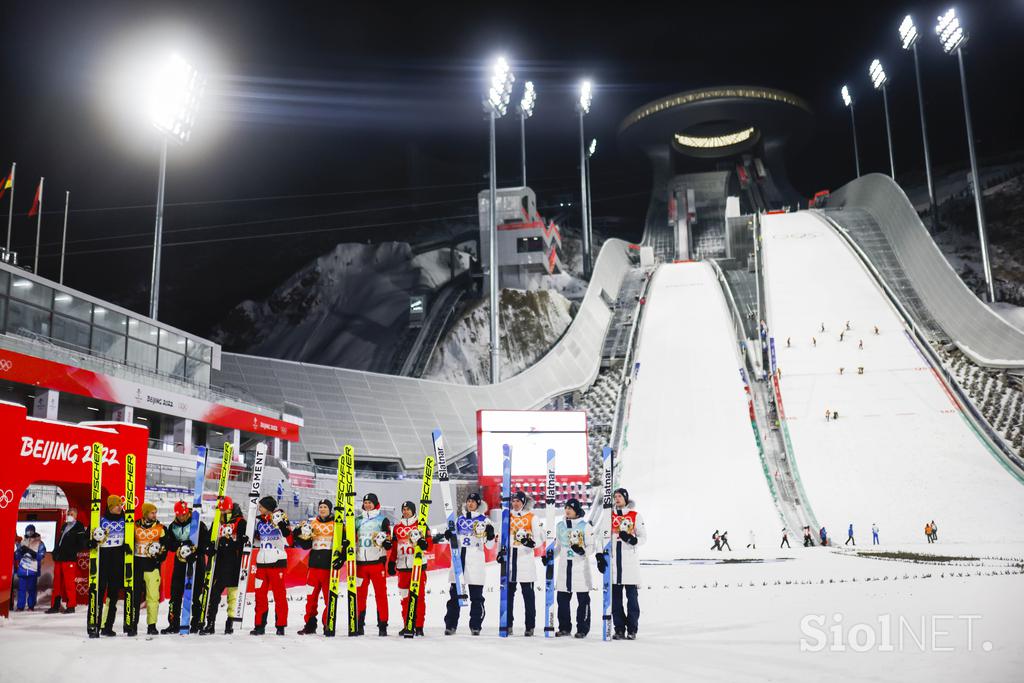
<point>506,552</point>
<point>606,536</point>
<point>185,617</point>
<point>549,549</point>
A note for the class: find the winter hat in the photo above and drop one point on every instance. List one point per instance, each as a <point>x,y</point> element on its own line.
<point>624,492</point>
<point>325,501</point>
<point>520,496</point>
<point>226,504</point>
<point>475,496</point>
<point>575,506</point>
<point>411,506</point>
<point>181,509</point>
<point>113,501</point>
<point>30,530</point>
<point>372,497</point>
<point>148,507</point>
<point>268,503</point>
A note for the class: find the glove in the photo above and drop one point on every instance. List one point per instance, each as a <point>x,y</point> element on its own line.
<point>338,562</point>
<point>578,549</point>
<point>211,550</point>
<point>223,542</point>
<point>627,538</point>
<point>602,563</point>
<point>500,558</point>
<point>449,535</point>
<point>93,543</point>
<point>392,569</point>
<point>489,532</point>
<point>422,544</point>
<point>544,559</point>
<point>529,542</point>
<point>285,528</point>
<point>387,544</point>
<point>127,548</point>
<point>439,538</point>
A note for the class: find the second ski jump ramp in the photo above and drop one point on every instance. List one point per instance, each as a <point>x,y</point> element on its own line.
<point>689,454</point>
<point>901,453</point>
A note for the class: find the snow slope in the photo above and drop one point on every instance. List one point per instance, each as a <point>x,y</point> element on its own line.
<point>690,457</point>
<point>901,454</point>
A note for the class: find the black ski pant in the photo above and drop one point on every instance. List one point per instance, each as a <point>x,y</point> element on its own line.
<point>111,584</point>
<point>849,540</point>
<point>221,581</point>
<point>785,542</point>
<point>582,612</point>
<point>178,590</point>
<point>625,619</point>
<point>476,608</point>
<point>529,603</point>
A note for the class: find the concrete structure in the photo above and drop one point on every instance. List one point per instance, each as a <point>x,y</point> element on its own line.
<point>526,244</point>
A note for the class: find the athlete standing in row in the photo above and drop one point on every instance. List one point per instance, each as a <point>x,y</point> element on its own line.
<point>525,530</point>
<point>179,542</point>
<point>407,537</point>
<point>628,533</point>
<point>373,538</point>
<point>317,536</point>
<point>473,532</point>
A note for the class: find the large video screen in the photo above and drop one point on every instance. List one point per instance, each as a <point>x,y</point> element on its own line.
<point>531,433</point>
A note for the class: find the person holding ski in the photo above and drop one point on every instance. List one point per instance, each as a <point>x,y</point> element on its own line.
<point>179,543</point>
<point>317,536</point>
<point>29,558</point>
<point>271,537</point>
<point>226,555</point>
<point>109,537</point>
<point>874,534</point>
<point>849,535</point>
<point>524,527</point>
<point>574,541</point>
<point>150,553</point>
<point>407,538</point>
<point>373,541</point>
<point>474,533</point>
<point>628,533</point>
<point>71,540</point>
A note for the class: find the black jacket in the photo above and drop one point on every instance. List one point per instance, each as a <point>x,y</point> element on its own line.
<point>71,540</point>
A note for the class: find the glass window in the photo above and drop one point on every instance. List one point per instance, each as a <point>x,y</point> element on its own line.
<point>142,354</point>
<point>171,363</point>
<point>175,342</point>
<point>198,372</point>
<point>69,331</point>
<point>22,317</point>
<point>201,351</point>
<point>525,245</point>
<point>66,304</point>
<point>32,292</point>
<point>4,278</point>
<point>108,344</point>
<point>112,320</point>
<point>3,312</point>
<point>141,330</point>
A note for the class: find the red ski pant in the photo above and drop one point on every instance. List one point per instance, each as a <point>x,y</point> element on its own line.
<point>271,579</point>
<point>320,580</point>
<point>64,574</point>
<point>373,574</point>
<point>404,579</point>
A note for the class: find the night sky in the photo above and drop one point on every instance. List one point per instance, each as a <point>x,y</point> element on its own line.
<point>375,108</point>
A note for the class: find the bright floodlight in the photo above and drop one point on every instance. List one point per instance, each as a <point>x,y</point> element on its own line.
<point>177,87</point>
<point>586,95</point>
<point>877,73</point>
<point>951,35</point>
<point>529,99</point>
<point>592,148</point>
<point>501,88</point>
<point>847,100</point>
<point>908,32</point>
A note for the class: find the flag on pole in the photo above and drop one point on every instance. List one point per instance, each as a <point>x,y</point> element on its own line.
<point>5,185</point>
<point>35,201</point>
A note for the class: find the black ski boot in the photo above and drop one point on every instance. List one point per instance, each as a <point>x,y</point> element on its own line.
<point>406,632</point>
<point>131,632</point>
<point>310,627</point>
<point>55,608</point>
<point>382,629</point>
<point>171,628</point>
<point>474,631</point>
<point>258,630</point>
<point>208,630</point>
<point>449,631</point>
<point>562,634</point>
<point>280,630</point>
<point>631,636</point>
<point>229,626</point>
<point>151,630</point>
<point>69,610</point>
<point>419,631</point>
<point>619,635</point>
<point>108,632</point>
<point>528,633</point>
<point>360,629</point>
<point>580,635</point>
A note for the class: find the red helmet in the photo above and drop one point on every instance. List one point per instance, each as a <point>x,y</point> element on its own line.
<point>225,504</point>
<point>181,509</point>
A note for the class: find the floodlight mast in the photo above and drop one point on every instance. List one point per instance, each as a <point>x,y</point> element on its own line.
<point>848,101</point>
<point>583,108</point>
<point>525,111</point>
<point>879,80</point>
<point>908,41</point>
<point>953,39</point>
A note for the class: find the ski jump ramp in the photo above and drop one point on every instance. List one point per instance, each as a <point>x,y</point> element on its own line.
<point>689,452</point>
<point>901,453</point>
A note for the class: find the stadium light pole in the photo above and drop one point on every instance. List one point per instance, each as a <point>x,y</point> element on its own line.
<point>952,37</point>
<point>879,79</point>
<point>495,105</point>
<point>848,101</point>
<point>908,40</point>
<point>591,150</point>
<point>525,110</point>
<point>583,108</point>
<point>177,87</point>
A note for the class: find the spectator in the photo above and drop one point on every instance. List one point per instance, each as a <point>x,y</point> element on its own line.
<point>71,540</point>
<point>29,558</point>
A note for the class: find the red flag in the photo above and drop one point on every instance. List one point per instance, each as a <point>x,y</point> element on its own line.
<point>5,185</point>
<point>35,201</point>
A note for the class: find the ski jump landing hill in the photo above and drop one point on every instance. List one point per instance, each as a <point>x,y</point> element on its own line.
<point>902,451</point>
<point>689,453</point>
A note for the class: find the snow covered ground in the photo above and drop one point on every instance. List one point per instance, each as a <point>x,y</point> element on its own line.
<point>901,454</point>
<point>766,620</point>
<point>690,452</point>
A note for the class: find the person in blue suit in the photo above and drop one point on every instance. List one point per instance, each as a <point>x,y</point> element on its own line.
<point>28,557</point>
